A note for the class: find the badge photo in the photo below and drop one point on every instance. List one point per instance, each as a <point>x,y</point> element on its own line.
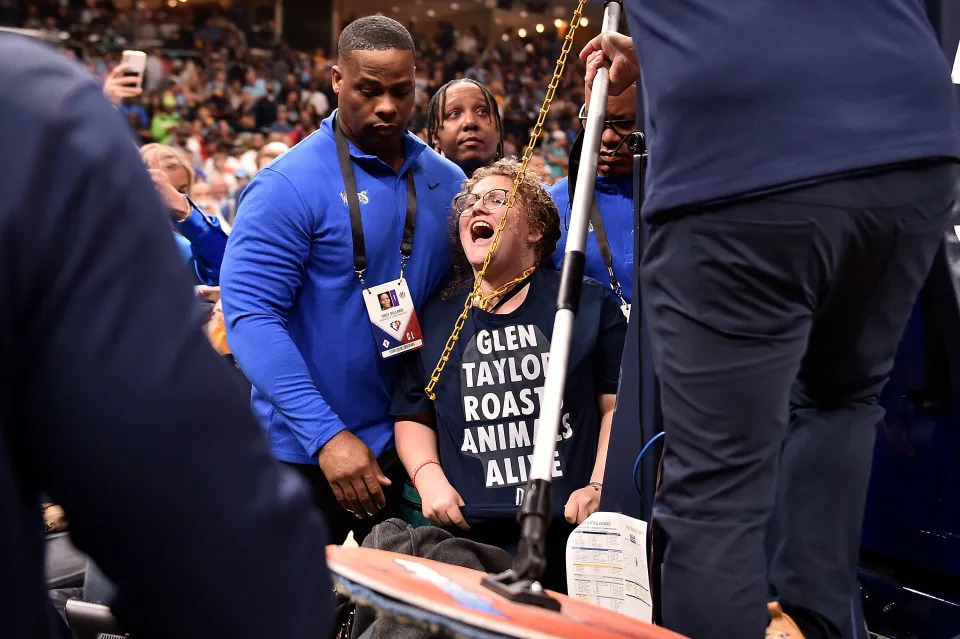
<point>394,321</point>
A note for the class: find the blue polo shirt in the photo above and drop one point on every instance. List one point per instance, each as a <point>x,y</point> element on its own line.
<point>295,316</point>
<point>614,197</point>
<point>749,96</point>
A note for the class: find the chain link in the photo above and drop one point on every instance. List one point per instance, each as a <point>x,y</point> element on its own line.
<point>527,155</point>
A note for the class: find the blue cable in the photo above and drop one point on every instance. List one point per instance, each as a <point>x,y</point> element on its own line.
<point>636,464</point>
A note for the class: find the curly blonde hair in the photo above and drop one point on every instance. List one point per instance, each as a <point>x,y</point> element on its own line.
<point>532,199</point>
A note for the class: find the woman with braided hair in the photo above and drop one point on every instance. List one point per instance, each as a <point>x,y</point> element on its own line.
<point>463,125</point>
<point>468,452</point>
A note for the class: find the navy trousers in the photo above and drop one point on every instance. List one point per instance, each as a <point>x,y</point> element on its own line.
<point>774,324</point>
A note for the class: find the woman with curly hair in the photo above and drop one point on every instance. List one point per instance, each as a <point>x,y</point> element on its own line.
<point>468,452</point>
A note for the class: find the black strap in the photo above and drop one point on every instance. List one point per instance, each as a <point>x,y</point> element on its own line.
<point>353,201</point>
<point>600,233</point>
<point>509,294</point>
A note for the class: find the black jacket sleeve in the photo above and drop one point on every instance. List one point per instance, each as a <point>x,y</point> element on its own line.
<point>127,417</point>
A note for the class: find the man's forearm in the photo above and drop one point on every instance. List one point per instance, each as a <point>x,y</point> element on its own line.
<point>273,364</point>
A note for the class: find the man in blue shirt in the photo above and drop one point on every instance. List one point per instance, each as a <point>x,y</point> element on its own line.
<point>113,402</point>
<point>293,294</point>
<point>802,171</point>
<point>613,196</point>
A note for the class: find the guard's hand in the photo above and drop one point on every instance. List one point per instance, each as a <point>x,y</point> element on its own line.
<point>617,49</point>
<point>354,474</point>
<point>118,86</point>
<point>440,502</point>
<point>582,503</point>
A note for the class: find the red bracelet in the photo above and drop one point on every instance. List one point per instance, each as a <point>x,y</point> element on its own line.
<point>413,480</point>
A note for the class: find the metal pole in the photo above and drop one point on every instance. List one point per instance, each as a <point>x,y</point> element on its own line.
<point>520,583</point>
<point>573,264</point>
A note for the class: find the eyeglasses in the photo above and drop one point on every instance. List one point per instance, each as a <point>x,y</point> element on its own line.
<point>492,200</point>
<point>622,128</point>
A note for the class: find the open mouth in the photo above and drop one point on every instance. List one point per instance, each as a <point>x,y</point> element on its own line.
<point>481,230</point>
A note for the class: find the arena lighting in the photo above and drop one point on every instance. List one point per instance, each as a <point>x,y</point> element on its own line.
<point>584,22</point>
<point>171,3</point>
<point>522,32</point>
<point>454,6</point>
<point>505,37</point>
<point>431,13</point>
<point>558,23</point>
<point>540,28</point>
<point>396,9</point>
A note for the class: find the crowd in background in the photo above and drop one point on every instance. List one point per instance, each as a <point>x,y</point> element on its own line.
<point>223,90</point>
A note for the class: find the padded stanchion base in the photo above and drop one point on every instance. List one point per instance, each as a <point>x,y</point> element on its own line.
<point>451,600</point>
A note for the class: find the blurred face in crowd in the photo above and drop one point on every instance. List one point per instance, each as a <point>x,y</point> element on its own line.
<point>200,194</point>
<point>282,114</point>
<point>376,93</point>
<point>480,209</point>
<point>218,188</point>
<point>622,116</point>
<point>538,167</point>
<point>468,133</point>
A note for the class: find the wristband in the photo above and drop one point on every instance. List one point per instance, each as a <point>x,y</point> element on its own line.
<point>413,479</point>
<point>596,485</point>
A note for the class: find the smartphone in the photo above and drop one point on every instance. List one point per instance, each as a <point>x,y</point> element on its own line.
<point>136,62</point>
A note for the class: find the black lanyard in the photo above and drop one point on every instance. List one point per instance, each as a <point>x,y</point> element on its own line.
<point>509,294</point>
<point>356,221</point>
<point>600,233</point>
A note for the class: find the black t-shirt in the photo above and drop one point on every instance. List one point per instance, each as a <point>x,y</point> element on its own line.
<point>489,396</point>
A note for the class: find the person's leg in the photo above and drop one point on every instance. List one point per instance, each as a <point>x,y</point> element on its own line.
<point>825,465</point>
<point>729,316</point>
<point>339,521</point>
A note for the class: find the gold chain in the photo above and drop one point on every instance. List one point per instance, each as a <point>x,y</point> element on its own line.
<point>482,301</point>
<point>528,153</point>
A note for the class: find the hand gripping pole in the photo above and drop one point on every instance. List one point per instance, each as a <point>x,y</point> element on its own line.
<point>520,583</point>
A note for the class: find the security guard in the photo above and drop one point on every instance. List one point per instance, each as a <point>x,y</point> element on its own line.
<point>802,171</point>
<point>113,402</point>
<point>609,256</point>
<point>351,218</point>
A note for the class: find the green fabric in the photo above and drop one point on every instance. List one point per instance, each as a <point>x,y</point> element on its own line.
<point>410,507</point>
<point>161,126</point>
